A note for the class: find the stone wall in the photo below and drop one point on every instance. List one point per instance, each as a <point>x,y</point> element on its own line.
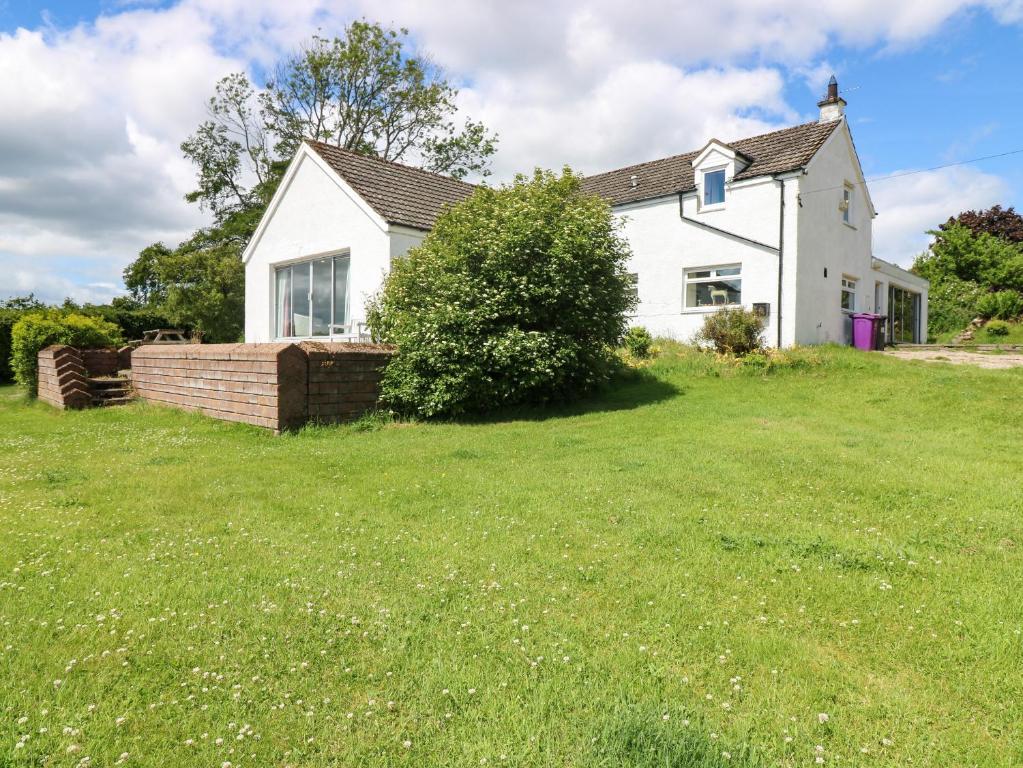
<point>261,384</point>
<point>344,379</point>
<point>63,377</point>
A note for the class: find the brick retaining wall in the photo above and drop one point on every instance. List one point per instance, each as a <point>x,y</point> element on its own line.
<point>261,384</point>
<point>344,379</point>
<point>62,377</point>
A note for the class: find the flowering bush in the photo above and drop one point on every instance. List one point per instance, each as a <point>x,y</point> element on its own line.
<point>518,295</point>
<point>732,331</point>
<point>38,330</point>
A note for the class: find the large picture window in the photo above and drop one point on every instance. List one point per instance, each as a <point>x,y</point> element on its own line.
<point>311,298</point>
<point>713,286</point>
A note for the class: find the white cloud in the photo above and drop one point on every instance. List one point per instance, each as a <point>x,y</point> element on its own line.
<point>92,169</point>
<point>908,206</point>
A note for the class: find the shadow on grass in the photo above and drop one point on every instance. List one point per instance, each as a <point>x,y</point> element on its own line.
<point>639,737</point>
<point>630,388</point>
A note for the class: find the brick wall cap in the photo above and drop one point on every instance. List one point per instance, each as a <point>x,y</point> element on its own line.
<point>340,347</point>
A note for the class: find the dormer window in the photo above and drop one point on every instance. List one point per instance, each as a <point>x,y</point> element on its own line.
<point>714,187</point>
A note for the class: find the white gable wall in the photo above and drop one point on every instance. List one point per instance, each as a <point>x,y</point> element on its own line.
<point>827,242</point>
<point>317,214</point>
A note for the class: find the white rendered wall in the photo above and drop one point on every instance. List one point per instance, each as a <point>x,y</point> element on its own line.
<point>314,216</point>
<point>664,246</point>
<point>827,242</point>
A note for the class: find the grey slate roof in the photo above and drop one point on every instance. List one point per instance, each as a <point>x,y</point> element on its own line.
<point>777,152</point>
<point>401,194</point>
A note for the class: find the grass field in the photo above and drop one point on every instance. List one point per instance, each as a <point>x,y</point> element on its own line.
<point>706,567</point>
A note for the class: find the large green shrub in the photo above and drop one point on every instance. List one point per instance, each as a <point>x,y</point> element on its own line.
<point>8,317</point>
<point>130,316</point>
<point>732,331</point>
<point>11,310</point>
<point>38,330</point>
<point>518,295</point>
<point>1001,305</point>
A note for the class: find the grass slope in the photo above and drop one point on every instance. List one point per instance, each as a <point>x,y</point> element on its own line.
<point>1015,336</point>
<point>704,568</point>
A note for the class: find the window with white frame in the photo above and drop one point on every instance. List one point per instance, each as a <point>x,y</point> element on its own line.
<point>847,202</point>
<point>713,286</point>
<point>311,298</point>
<point>714,187</point>
<point>848,294</point>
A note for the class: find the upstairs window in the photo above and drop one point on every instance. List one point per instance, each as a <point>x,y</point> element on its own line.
<point>846,205</point>
<point>848,294</point>
<point>714,187</point>
<point>713,286</point>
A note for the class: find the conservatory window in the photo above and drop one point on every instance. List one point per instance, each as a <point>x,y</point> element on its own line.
<point>311,298</point>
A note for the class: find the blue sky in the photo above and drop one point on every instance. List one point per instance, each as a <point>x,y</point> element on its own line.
<point>101,93</point>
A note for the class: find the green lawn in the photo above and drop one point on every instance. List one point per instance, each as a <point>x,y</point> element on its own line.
<point>706,567</point>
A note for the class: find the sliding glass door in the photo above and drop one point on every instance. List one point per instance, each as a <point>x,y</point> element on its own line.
<point>311,298</point>
<point>903,316</point>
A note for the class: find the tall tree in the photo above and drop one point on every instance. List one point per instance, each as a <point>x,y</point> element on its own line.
<point>363,91</point>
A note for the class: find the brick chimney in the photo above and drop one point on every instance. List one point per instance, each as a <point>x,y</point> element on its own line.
<point>832,106</point>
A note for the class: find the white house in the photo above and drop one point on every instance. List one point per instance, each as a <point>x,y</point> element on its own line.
<point>779,223</point>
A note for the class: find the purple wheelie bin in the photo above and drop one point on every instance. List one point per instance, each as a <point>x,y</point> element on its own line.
<point>865,330</point>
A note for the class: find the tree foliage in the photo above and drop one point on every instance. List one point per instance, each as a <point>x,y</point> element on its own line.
<point>518,295</point>
<point>971,273</point>
<point>363,91</point>
<point>1003,223</point>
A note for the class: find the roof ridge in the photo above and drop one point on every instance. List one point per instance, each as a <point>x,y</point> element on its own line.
<point>373,158</point>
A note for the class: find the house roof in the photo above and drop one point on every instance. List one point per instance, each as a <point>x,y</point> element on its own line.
<point>401,194</point>
<point>777,152</point>
<point>412,197</point>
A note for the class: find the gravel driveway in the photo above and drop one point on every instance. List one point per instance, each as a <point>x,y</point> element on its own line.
<point>960,357</point>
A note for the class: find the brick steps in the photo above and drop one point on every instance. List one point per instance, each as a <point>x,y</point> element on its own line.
<point>110,390</point>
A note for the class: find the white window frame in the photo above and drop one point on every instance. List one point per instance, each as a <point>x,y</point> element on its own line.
<point>850,285</point>
<point>846,206</point>
<point>337,332</point>
<point>713,277</point>
<point>723,170</point>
